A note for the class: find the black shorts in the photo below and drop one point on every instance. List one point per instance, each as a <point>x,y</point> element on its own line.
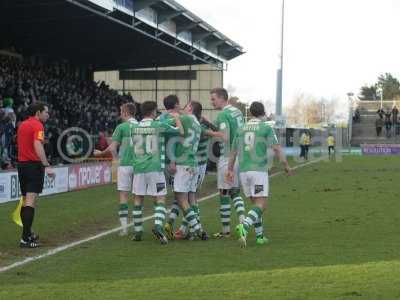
<point>31,177</point>
<point>331,148</point>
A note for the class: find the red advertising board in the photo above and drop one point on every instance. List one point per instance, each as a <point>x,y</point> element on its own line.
<point>81,176</point>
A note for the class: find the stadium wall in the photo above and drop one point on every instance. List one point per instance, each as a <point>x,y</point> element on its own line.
<point>200,80</point>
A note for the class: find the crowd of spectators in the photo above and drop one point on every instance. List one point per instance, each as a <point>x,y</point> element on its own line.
<point>389,120</point>
<point>72,102</point>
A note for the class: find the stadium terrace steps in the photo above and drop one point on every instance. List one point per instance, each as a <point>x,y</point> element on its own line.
<point>364,131</point>
<point>367,120</point>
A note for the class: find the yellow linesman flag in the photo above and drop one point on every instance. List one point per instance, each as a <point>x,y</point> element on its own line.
<point>16,215</point>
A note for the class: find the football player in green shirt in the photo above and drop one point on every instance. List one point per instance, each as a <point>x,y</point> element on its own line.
<point>229,120</point>
<point>149,164</point>
<point>185,181</point>
<point>250,148</point>
<point>172,106</point>
<point>195,108</point>
<point>174,148</point>
<point>122,138</point>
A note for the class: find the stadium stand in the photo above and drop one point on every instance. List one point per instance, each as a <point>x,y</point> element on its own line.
<point>72,101</point>
<point>364,129</point>
<point>50,51</point>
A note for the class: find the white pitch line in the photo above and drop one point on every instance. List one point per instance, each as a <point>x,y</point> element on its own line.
<point>108,232</point>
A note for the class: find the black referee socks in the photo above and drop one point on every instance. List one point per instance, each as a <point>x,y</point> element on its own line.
<point>27,214</point>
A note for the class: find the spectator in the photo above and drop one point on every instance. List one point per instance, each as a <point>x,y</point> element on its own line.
<point>302,148</point>
<point>330,141</point>
<point>305,142</point>
<point>357,115</point>
<point>388,127</point>
<point>388,114</point>
<point>379,124</point>
<point>8,133</point>
<point>7,105</point>
<point>397,127</point>
<point>102,143</point>
<point>380,112</point>
<point>53,135</point>
<point>47,148</point>
<point>395,112</point>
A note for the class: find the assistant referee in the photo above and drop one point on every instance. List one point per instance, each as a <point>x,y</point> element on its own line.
<point>32,165</point>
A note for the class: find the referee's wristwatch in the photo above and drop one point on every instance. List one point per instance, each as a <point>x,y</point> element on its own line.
<point>46,165</point>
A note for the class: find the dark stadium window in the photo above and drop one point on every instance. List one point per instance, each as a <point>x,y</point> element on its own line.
<point>158,75</point>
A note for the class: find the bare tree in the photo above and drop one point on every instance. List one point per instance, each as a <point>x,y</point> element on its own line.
<point>307,109</point>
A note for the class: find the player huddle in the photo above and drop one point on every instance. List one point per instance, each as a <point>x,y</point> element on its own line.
<point>172,149</point>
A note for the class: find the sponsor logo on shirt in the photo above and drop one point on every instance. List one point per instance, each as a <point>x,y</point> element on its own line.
<point>160,186</point>
<point>258,189</point>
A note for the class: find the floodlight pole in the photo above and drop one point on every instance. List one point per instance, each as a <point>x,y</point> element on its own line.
<point>350,121</point>
<point>279,83</point>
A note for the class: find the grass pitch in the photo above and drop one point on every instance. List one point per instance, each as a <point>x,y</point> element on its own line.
<point>334,230</point>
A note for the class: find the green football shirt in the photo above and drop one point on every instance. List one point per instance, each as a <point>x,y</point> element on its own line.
<point>229,120</point>
<point>202,150</point>
<point>252,142</point>
<point>169,120</point>
<point>186,150</point>
<point>122,135</point>
<point>148,138</point>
